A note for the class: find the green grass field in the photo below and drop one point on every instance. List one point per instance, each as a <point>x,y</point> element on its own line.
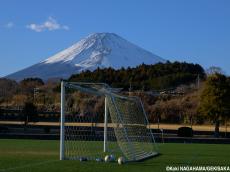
<point>37,156</point>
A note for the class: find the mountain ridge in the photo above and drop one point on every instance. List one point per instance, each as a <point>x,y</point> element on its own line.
<point>101,50</point>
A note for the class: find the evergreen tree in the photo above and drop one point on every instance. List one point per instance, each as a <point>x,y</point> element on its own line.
<point>29,113</point>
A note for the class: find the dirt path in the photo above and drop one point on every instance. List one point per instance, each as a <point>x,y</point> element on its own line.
<point>153,126</point>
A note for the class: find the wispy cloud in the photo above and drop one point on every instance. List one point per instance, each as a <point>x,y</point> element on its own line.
<point>9,25</point>
<point>49,25</point>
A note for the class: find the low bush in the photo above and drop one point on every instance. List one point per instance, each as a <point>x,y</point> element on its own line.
<point>185,132</point>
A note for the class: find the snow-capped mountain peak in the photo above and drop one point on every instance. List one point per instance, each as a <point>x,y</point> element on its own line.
<point>96,50</point>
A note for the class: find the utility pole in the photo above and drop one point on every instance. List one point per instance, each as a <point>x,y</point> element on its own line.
<point>130,88</point>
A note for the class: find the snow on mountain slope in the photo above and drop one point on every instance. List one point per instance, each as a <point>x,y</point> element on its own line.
<point>96,50</point>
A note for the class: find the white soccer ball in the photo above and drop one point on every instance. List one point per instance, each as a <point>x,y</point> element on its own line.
<point>121,160</point>
<point>107,158</point>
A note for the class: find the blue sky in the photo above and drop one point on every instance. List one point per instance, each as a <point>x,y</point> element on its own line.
<point>193,31</point>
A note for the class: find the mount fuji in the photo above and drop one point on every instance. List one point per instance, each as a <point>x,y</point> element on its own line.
<point>96,50</point>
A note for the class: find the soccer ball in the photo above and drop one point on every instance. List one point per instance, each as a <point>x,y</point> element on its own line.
<point>107,158</point>
<point>121,160</point>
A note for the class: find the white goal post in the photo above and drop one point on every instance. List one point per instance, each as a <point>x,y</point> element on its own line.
<point>96,121</point>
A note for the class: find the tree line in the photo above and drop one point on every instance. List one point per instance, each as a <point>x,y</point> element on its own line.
<point>145,77</point>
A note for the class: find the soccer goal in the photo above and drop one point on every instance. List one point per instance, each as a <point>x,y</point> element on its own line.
<point>97,121</point>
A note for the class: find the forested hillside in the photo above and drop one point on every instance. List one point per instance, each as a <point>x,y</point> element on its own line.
<point>145,77</point>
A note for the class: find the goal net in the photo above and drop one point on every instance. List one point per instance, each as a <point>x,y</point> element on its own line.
<point>97,121</point>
